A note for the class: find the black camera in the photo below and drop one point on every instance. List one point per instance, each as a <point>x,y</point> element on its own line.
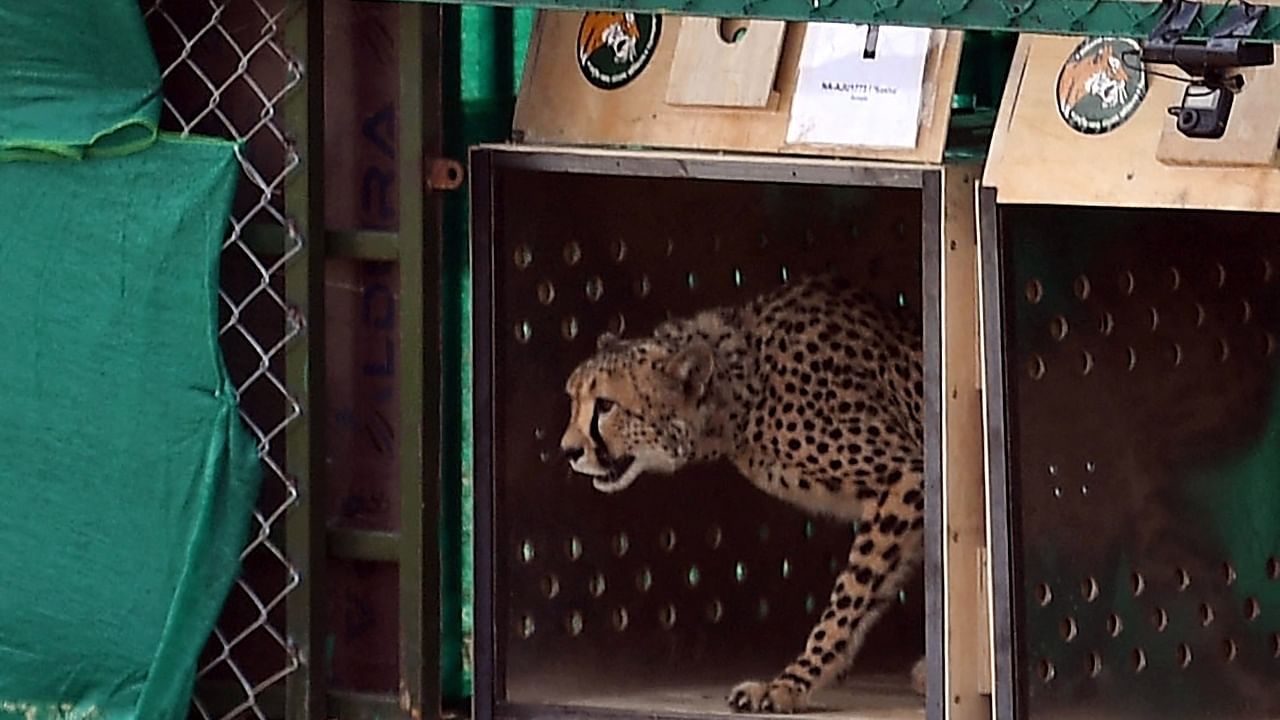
<point>1204,112</point>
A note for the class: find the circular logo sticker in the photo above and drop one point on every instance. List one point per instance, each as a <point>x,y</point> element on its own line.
<point>614,47</point>
<point>1101,84</point>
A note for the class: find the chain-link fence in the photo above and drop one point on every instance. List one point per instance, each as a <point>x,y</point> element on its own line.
<point>226,72</point>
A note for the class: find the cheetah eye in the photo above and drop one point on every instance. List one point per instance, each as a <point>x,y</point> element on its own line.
<point>604,405</point>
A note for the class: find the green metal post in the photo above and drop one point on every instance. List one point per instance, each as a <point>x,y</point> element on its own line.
<point>419,253</point>
<point>304,361</point>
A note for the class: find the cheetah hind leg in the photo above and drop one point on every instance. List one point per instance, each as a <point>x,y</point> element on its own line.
<point>884,553</point>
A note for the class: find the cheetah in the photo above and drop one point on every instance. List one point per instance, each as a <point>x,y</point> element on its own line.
<point>814,392</point>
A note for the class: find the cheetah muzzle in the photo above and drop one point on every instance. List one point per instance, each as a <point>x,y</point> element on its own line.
<point>814,392</point>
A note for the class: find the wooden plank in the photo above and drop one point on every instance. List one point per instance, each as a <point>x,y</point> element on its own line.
<point>1037,158</point>
<point>965,644</point>
<point>725,63</point>
<point>638,114</point>
<point>1253,129</point>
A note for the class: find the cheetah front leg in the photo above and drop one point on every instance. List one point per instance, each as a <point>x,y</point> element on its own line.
<point>886,549</point>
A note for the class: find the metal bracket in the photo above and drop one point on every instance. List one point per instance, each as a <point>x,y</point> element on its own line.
<point>1207,61</point>
<point>443,174</point>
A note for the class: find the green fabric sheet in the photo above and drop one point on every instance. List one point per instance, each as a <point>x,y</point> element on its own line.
<point>77,78</point>
<point>127,479</point>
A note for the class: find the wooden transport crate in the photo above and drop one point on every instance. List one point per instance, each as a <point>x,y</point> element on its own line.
<point>1131,309</point>
<point>653,601</point>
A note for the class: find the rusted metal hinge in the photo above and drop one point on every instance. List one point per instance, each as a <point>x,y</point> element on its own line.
<point>443,174</point>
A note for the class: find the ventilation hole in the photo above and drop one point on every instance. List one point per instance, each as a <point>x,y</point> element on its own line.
<point>1084,489</point>
<point>1035,367</point>
<point>1093,664</point>
<point>1175,354</point>
<point>1046,670</point>
<point>644,579</point>
<point>1153,318</point>
<point>1183,579</point>
<point>1269,343</point>
<point>1275,644</point>
<point>1089,589</point>
<point>1139,659</point>
<point>1273,568</point>
<point>1229,650</point>
<point>715,536</point>
<point>1206,615</point>
<point>1067,628</point>
<point>1058,328</point>
<point>526,552</point>
<point>642,286</point>
<point>1252,609</point>
<point>524,331</point>
<point>715,611</point>
<point>1160,619</point>
<point>545,456</point>
<point>1053,470</point>
<point>1057,492</point>
<point>693,576</point>
<point>762,532</point>
<point>618,250</point>
<point>523,257</point>
<point>620,619</point>
<point>810,604</point>
<point>1044,595</point>
<point>1106,323</point>
<point>1246,312</point>
<point>1035,291</point>
<point>691,280</point>
<point>762,608</point>
<point>1127,283</point>
<point>1090,466</point>
<point>902,597</point>
<point>786,568</point>
<point>1175,278</point>
<point>595,289</point>
<point>1086,362</point>
<point>1267,270</point>
<point>1115,625</point>
<point>667,539</point>
<point>811,529</point>
<point>569,328</point>
<point>1082,287</point>
<point>572,253</point>
<point>667,616</point>
<point>621,544</point>
<point>550,586</point>
<point>1220,275</point>
<point>740,572</point>
<point>737,278</point>
<point>1131,360</point>
<point>1224,350</point>
<point>573,623</point>
<point>596,585</point>
<point>1137,583</point>
<point>1184,655</point>
<point>1228,574</point>
<point>1201,315</point>
<point>786,274</point>
<point>546,292</point>
<point>671,247</point>
<point>618,324</point>
<point>526,626</point>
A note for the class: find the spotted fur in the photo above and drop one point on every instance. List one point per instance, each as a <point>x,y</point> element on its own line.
<point>815,393</point>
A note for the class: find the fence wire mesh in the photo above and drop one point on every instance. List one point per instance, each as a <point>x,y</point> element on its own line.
<point>226,72</point>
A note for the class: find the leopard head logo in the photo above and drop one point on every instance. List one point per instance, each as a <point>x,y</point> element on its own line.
<point>619,31</point>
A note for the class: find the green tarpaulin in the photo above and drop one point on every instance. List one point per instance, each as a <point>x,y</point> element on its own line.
<point>127,479</point>
<point>76,78</point>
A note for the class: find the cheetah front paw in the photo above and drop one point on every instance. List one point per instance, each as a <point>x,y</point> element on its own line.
<point>778,696</point>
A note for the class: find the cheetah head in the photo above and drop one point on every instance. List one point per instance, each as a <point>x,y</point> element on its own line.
<point>636,406</point>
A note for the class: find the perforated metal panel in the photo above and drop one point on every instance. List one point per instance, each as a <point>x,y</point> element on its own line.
<point>1141,461</point>
<point>693,580</point>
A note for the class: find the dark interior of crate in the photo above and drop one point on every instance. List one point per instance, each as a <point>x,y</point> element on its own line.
<point>1144,461</point>
<point>659,598</point>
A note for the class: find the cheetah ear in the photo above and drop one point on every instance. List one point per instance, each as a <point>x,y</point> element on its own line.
<point>691,367</point>
<point>605,340</point>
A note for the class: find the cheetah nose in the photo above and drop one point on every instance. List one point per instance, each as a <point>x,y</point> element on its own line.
<point>573,453</point>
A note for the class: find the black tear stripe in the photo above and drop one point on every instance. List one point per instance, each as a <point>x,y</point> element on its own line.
<point>602,450</point>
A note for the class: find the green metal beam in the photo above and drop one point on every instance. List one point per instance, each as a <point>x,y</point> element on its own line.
<point>304,363</point>
<point>367,545</point>
<point>1120,18</point>
<point>267,240</point>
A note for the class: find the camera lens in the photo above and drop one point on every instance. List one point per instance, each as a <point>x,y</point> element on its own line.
<point>1187,119</point>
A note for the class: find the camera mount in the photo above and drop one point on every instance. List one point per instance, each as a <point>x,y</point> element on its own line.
<point>1209,64</point>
